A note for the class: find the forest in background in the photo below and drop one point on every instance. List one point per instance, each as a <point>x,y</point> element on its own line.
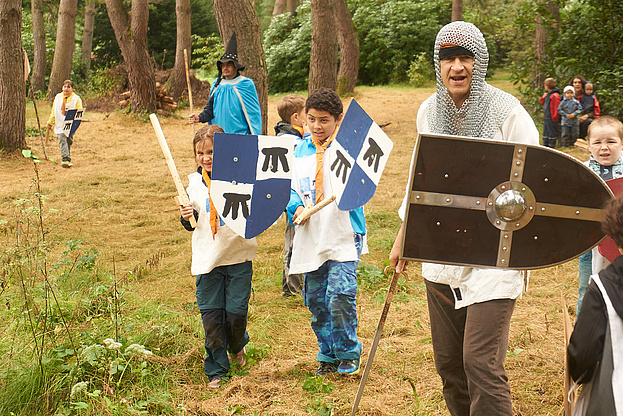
<point>395,40</point>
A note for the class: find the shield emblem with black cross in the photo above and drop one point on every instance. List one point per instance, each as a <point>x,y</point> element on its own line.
<point>251,176</point>
<point>485,203</point>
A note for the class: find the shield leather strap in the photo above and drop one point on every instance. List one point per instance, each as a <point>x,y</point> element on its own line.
<point>485,203</point>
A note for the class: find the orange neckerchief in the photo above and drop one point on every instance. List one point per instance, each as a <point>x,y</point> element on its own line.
<point>320,149</point>
<point>299,129</point>
<point>63,105</point>
<point>213,216</point>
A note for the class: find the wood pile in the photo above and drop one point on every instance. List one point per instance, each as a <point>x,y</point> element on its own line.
<point>163,101</point>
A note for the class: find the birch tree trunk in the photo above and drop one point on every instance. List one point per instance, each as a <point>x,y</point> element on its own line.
<point>348,41</point>
<point>324,46</point>
<point>87,34</point>
<point>39,59</point>
<point>12,88</point>
<point>64,50</point>
<point>239,16</point>
<point>131,33</point>
<point>177,80</point>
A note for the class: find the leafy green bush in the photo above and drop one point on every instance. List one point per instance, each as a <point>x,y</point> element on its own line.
<point>392,35</point>
<point>287,47</point>
<point>421,71</point>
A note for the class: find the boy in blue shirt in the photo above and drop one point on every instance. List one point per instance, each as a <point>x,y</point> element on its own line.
<point>569,110</point>
<point>328,244</point>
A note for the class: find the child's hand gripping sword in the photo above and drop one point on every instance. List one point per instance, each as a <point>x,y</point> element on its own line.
<point>312,209</point>
<point>182,197</point>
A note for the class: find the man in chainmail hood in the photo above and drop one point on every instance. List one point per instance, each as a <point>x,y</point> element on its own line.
<point>470,308</point>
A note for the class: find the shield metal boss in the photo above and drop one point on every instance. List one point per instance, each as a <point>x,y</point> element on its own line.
<point>485,203</point>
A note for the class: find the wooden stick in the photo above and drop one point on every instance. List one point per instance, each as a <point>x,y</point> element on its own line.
<point>377,338</point>
<point>190,91</point>
<point>182,197</point>
<point>309,211</point>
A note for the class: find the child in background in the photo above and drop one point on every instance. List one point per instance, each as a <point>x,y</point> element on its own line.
<point>569,109</point>
<point>590,108</point>
<point>328,244</point>
<point>595,352</point>
<point>65,100</point>
<point>290,108</point>
<point>605,142</point>
<point>221,260</point>
<point>551,120</point>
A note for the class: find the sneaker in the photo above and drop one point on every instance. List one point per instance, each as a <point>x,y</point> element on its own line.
<point>326,368</point>
<point>215,383</point>
<point>66,164</point>
<point>239,357</point>
<point>348,367</point>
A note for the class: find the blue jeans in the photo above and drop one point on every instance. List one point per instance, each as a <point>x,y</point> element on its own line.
<point>331,295</point>
<point>64,143</point>
<point>585,270</point>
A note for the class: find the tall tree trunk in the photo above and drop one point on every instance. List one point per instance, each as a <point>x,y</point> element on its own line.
<point>131,33</point>
<point>544,29</point>
<point>348,41</point>
<point>291,6</point>
<point>64,50</point>
<point>39,58</point>
<point>177,80</point>
<point>12,88</point>
<point>280,7</point>
<point>239,16</point>
<point>457,10</point>
<point>324,46</point>
<point>87,34</point>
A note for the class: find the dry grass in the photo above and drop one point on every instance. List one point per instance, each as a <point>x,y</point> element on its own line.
<point>118,198</point>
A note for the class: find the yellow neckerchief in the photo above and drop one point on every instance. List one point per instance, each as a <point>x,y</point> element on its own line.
<point>213,216</point>
<point>320,149</point>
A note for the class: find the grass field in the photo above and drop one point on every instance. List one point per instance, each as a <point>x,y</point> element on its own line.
<point>107,258</point>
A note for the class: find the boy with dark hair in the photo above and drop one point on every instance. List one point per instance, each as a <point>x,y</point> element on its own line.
<point>595,352</point>
<point>328,244</point>
<point>290,109</point>
<point>551,120</point>
<point>569,110</point>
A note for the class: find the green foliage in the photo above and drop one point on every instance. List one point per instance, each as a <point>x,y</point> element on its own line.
<point>206,52</point>
<point>287,47</point>
<point>316,385</point>
<point>421,71</point>
<point>393,34</point>
<point>588,42</point>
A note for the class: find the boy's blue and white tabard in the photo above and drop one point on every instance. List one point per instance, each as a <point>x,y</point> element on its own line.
<point>236,107</point>
<point>226,248</point>
<point>329,234</point>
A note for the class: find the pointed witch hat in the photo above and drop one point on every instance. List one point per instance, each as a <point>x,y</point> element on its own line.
<point>231,54</point>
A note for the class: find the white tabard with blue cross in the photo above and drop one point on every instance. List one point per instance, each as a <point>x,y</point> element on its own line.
<point>357,157</point>
<point>251,180</point>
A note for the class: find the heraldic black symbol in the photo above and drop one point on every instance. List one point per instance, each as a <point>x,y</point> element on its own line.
<point>273,156</point>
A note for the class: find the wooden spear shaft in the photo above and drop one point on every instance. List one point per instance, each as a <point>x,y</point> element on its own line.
<point>377,338</point>
<point>309,211</point>
<point>190,91</point>
<point>182,197</point>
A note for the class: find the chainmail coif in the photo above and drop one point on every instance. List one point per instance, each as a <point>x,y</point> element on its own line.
<point>486,108</point>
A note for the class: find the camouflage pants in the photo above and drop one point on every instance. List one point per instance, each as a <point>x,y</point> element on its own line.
<point>331,296</point>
